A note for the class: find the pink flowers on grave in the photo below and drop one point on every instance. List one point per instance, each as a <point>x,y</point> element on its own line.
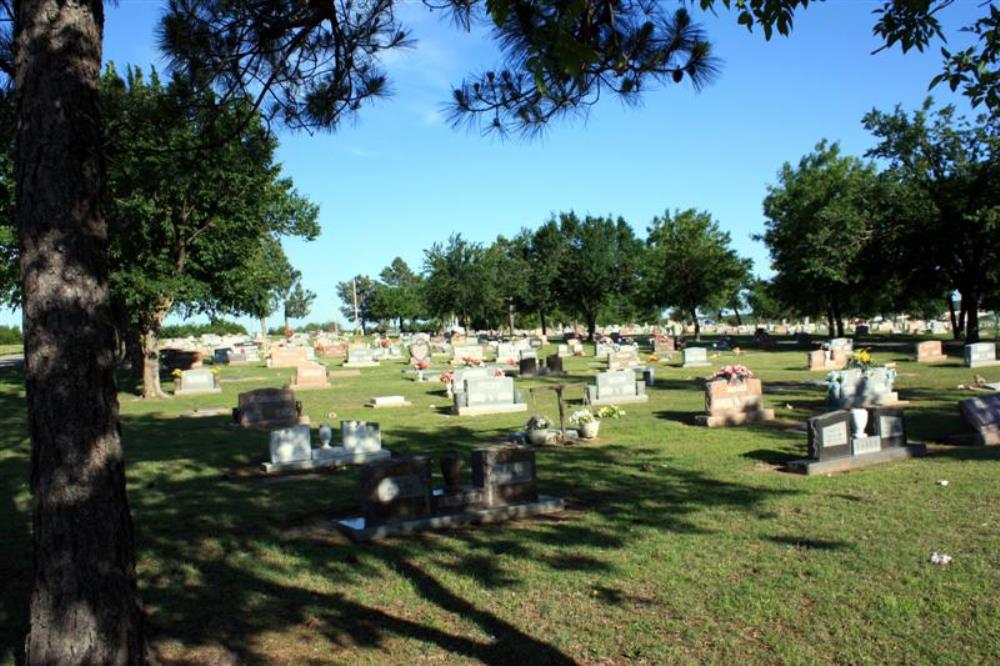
<point>468,360</point>
<point>497,372</point>
<point>448,377</point>
<point>733,373</point>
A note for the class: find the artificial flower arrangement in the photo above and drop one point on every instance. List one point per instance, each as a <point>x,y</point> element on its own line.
<point>862,358</point>
<point>610,412</point>
<point>468,360</point>
<point>653,358</point>
<point>176,373</point>
<point>421,365</point>
<point>385,343</point>
<point>497,372</point>
<point>733,373</point>
<point>582,417</point>
<point>538,423</point>
<point>448,377</point>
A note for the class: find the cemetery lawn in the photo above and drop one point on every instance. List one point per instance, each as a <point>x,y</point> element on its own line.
<point>679,544</point>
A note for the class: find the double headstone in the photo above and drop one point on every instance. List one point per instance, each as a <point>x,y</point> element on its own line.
<point>488,395</point>
<point>617,387</point>
<point>663,344</point>
<point>396,490</point>
<point>288,357</point>
<point>467,353</point>
<point>855,387</point>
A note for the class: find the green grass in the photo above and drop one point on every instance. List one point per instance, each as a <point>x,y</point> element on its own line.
<point>680,544</point>
<point>6,350</point>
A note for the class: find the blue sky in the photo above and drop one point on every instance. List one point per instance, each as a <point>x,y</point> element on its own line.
<point>399,178</point>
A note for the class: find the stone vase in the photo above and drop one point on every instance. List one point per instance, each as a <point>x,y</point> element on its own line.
<point>590,430</point>
<point>538,436</point>
<point>449,391</point>
<point>859,419</point>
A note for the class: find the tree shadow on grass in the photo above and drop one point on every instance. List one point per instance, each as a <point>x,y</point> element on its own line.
<point>225,564</point>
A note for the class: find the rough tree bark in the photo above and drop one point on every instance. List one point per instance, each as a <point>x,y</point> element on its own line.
<point>956,330</point>
<point>151,388</point>
<point>84,604</point>
<point>697,326</point>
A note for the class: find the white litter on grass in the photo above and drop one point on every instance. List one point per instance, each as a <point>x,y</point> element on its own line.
<point>940,558</point>
<point>942,482</point>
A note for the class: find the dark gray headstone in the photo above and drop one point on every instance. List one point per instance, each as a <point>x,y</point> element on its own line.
<point>830,435</point>
<point>396,490</point>
<point>554,363</point>
<point>506,474</point>
<point>983,415</point>
<point>528,367</point>
<point>888,424</point>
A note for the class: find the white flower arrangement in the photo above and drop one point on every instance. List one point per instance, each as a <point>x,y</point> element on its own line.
<point>582,417</point>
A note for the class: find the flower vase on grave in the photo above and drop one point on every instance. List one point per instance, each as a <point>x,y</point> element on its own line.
<point>859,419</point>
<point>325,435</point>
<point>538,436</point>
<point>449,391</point>
<point>590,429</point>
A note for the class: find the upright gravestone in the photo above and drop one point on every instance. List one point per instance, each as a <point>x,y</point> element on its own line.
<point>982,415</point>
<point>981,354</point>
<point>361,436</point>
<point>396,490</point>
<point>888,424</point>
<point>507,354</point>
<point>199,381</point>
<point>554,363</point>
<point>930,351</point>
<point>361,357</point>
<point>268,408</point>
<point>288,357</point>
<point>420,352</point>
<point>467,353</point>
<point>623,360</point>
<point>614,388</point>
<point>601,350</point>
<point>830,435</point>
<point>221,356</point>
<point>734,403</point>
<point>663,344</point>
<point>506,474</point>
<point>695,357</point>
<point>528,367</point>
<point>290,447</point>
<point>488,395</point>
<point>310,376</point>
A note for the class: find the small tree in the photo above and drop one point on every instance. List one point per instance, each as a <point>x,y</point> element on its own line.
<point>358,296</point>
<point>690,264</point>
<point>819,221</point>
<point>298,300</point>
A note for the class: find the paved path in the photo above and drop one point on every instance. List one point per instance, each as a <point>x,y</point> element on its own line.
<point>12,361</point>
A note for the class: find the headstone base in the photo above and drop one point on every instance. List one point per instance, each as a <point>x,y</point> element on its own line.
<point>620,400</point>
<point>335,456</point>
<point>696,365</point>
<point>179,393</point>
<point>982,364</point>
<point>480,410</point>
<point>357,530</point>
<point>382,403</point>
<point>361,364</point>
<point>932,359</point>
<point>734,418</point>
<point>811,467</point>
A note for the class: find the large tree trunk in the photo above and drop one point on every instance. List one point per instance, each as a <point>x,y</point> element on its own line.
<point>541,318</point>
<point>84,603</point>
<point>591,327</point>
<point>697,326</point>
<point>838,317</point>
<point>962,311</point>
<point>970,303</point>
<point>151,389</point>
<point>956,330</point>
